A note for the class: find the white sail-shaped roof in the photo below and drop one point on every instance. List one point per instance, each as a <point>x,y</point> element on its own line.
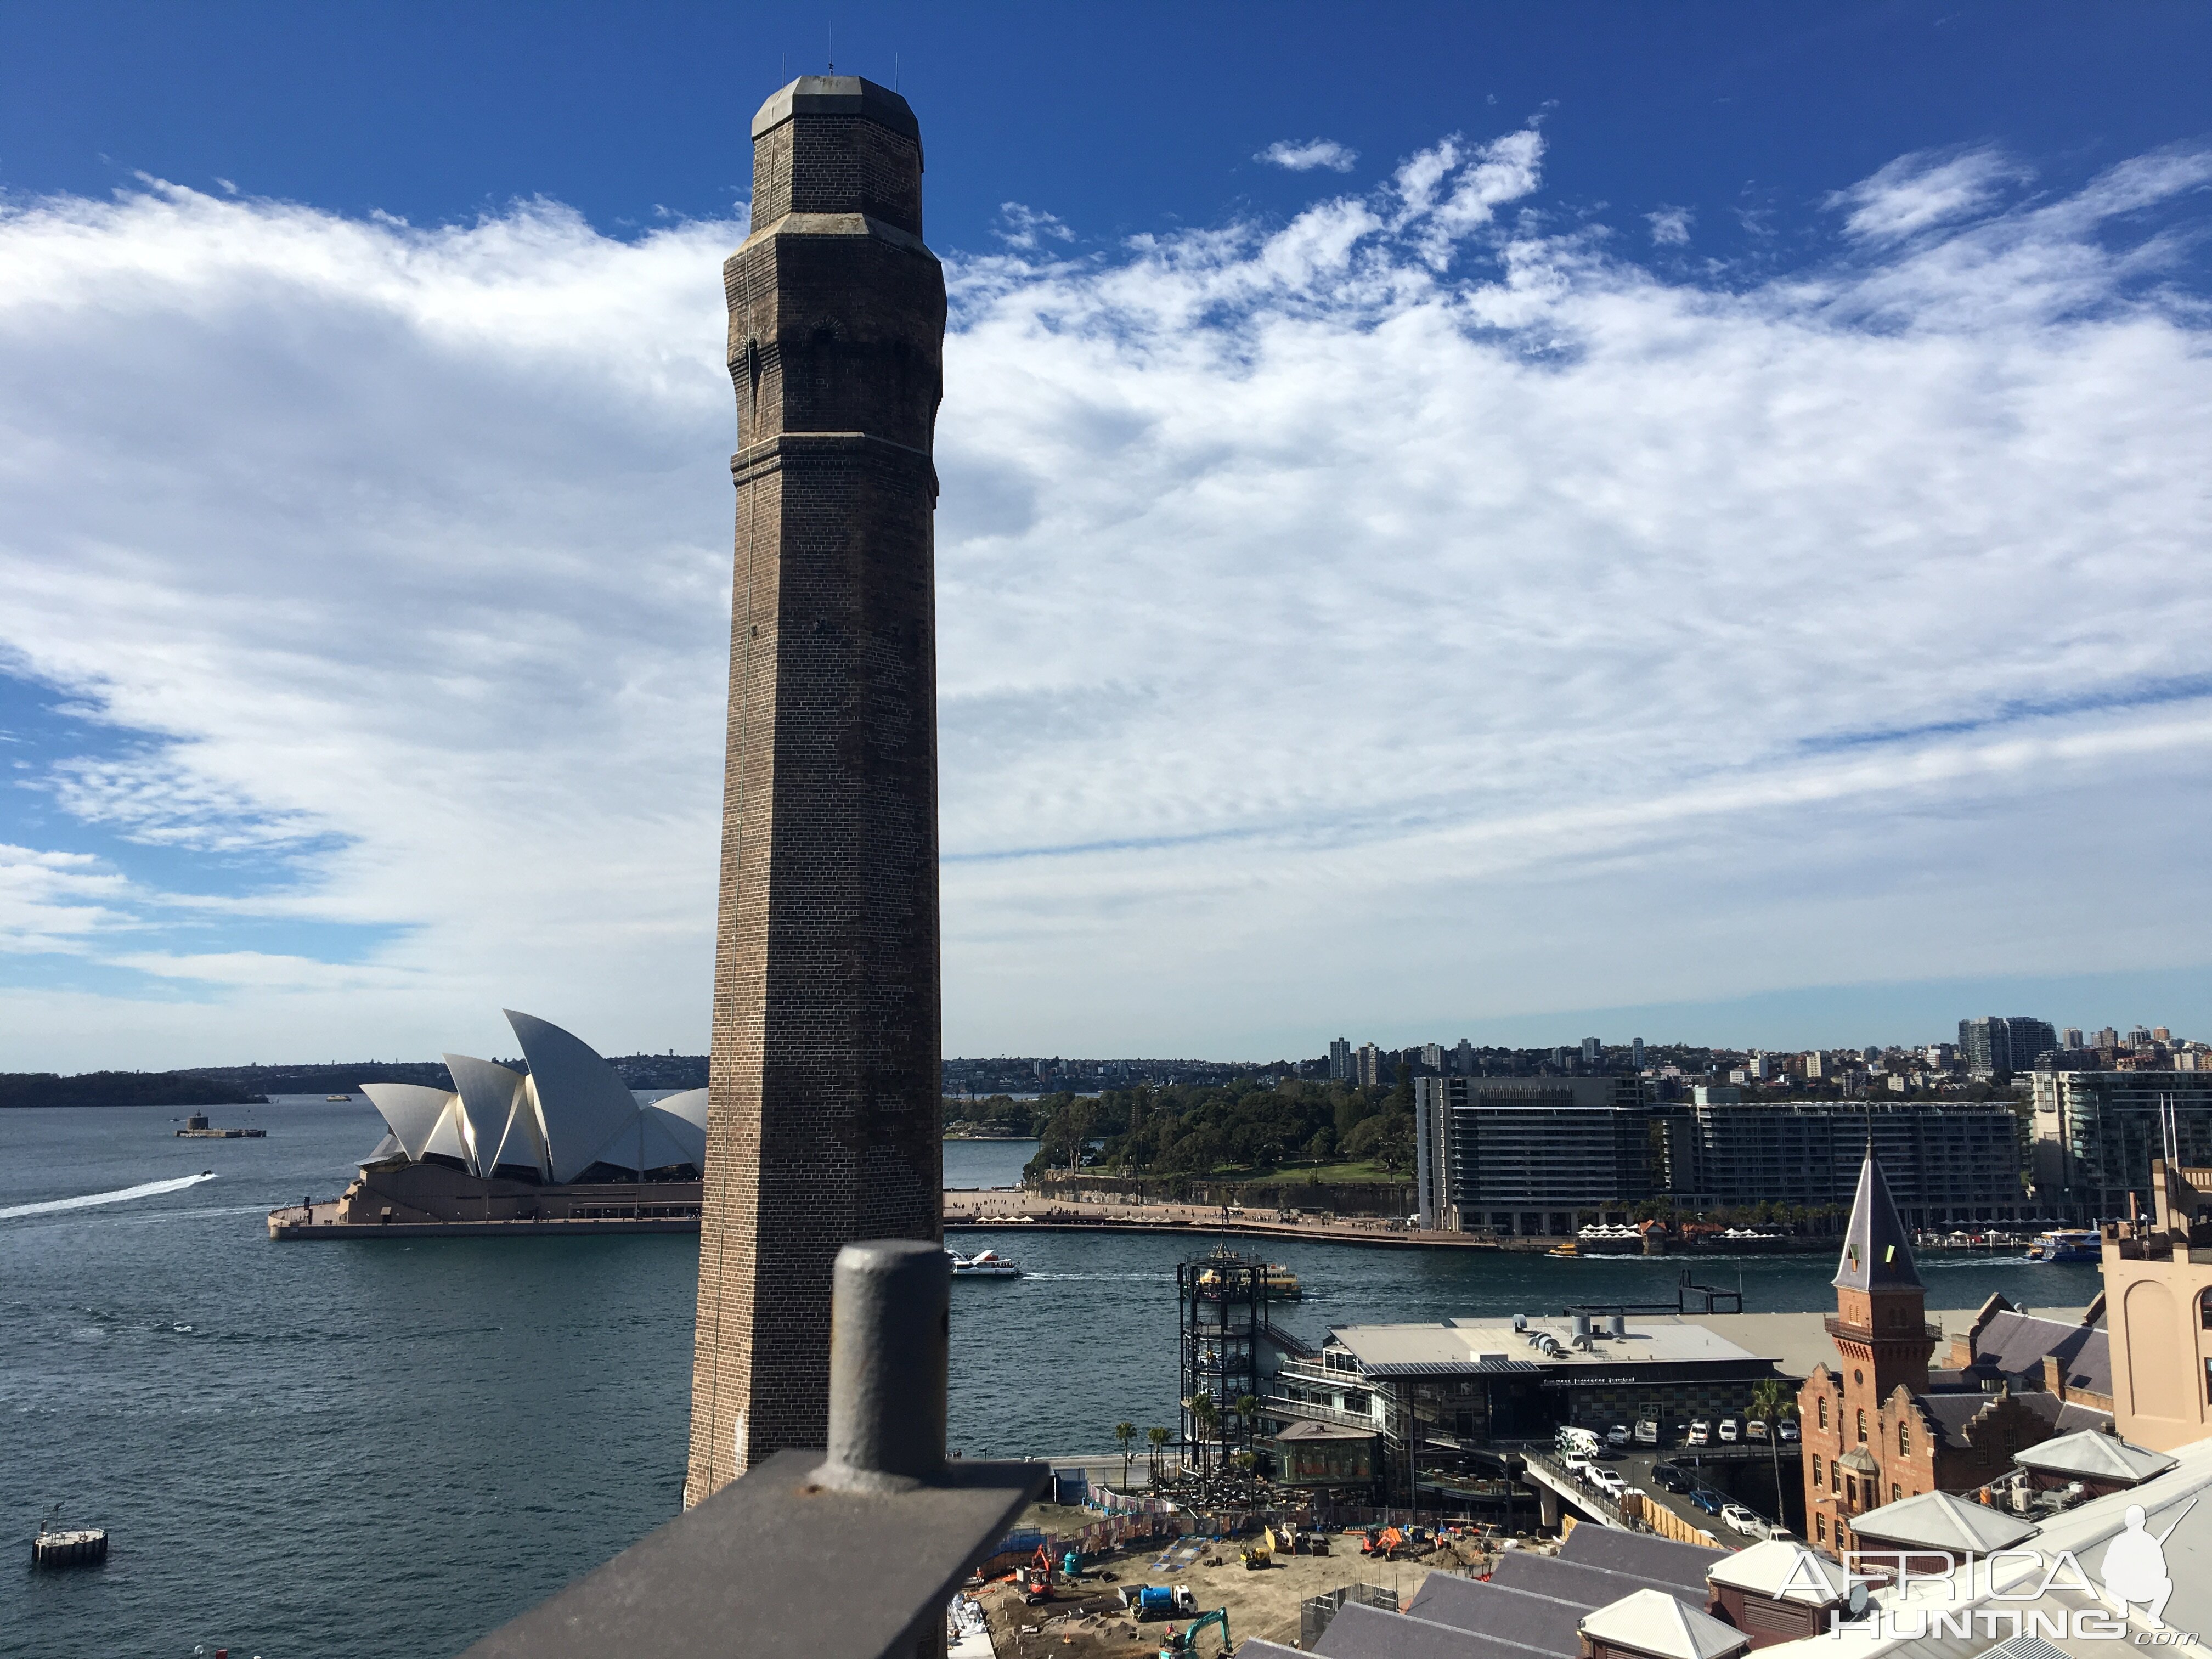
<point>487,1094</point>
<point>524,1144</point>
<point>449,1135</point>
<point>583,1105</point>
<point>411,1111</point>
<point>655,1139</point>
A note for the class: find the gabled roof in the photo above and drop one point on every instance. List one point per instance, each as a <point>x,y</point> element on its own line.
<point>1783,1571</point>
<point>1937,1520</point>
<point>1877,1250</point>
<point>2090,1455</point>
<point>1542,1624</point>
<point>1645,1554</point>
<point>1953,1414</point>
<point>2015,1344</point>
<point>1651,1621</point>
<point>1364,1632</point>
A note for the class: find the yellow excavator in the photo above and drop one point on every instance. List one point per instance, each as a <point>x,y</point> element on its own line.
<point>1261,1553</point>
<point>1185,1646</point>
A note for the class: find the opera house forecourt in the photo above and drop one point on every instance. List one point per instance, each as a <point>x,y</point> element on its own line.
<point>564,1147</point>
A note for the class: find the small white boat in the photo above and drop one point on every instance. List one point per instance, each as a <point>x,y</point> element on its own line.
<point>984,1264</point>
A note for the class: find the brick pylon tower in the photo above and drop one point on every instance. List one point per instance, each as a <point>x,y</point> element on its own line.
<point>824,1122</point>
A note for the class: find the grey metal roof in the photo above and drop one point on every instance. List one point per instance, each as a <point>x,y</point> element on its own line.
<point>1643,1554</point>
<point>1253,1648</point>
<point>1938,1520</point>
<point>1364,1632</point>
<point>1952,1412</point>
<point>1306,1430</point>
<point>1651,1621</point>
<point>2074,1416</point>
<point>1877,1250</point>
<point>2015,1344</point>
<point>1543,1624</point>
<point>1571,1581</point>
<point>2089,1455</point>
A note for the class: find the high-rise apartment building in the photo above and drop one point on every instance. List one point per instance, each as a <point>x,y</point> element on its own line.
<point>1339,1061</point>
<point>1367,1067</point>
<point>2096,1133</point>
<point>1593,1051</point>
<point>1636,1052</point>
<point>1995,1046</point>
<point>2107,1037</point>
<point>2070,1037</point>
<point>823,1125</point>
<point>1463,1059</point>
<point>1433,1056</point>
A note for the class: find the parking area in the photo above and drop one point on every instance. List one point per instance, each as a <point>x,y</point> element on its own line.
<point>1742,1474</point>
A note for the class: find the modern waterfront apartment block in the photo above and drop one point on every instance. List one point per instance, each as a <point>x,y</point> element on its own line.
<point>2096,1134</point>
<point>1952,1164</point>
<point>1995,1046</point>
<point>1539,1156</point>
<point>1523,1156</point>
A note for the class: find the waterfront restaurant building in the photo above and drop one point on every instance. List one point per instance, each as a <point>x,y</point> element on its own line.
<point>1431,1406</point>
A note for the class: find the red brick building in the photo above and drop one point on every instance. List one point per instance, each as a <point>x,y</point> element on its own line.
<point>1879,1426</point>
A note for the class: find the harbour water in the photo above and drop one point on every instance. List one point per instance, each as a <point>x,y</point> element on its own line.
<point>369,1449</point>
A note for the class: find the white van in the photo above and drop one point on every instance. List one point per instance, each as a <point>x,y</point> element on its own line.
<point>1581,1440</point>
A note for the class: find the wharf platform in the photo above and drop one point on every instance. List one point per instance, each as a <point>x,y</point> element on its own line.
<point>319,1222</point>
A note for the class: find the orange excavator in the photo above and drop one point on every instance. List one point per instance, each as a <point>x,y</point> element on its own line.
<point>1385,1541</point>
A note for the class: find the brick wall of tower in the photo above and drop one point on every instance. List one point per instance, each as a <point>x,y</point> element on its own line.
<point>823,1124</point>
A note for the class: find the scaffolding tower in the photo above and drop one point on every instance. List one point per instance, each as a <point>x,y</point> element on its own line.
<point>1224,1300</point>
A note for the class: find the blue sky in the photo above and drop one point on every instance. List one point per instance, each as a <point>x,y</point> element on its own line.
<point>1487,521</point>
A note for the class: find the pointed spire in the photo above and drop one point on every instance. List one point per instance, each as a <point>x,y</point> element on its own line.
<point>1877,1250</point>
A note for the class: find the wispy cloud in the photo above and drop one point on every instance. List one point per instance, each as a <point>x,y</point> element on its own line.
<point>1304,156</point>
<point>1383,616</point>
<point>1670,227</point>
<point>1926,189</point>
<point>1028,228</point>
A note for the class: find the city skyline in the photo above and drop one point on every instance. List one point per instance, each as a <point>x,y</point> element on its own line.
<point>1709,562</point>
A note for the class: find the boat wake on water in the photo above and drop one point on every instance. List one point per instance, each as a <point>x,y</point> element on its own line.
<point>120,1195</point>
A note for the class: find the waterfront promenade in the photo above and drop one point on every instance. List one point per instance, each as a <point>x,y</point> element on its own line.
<point>1001,1206</point>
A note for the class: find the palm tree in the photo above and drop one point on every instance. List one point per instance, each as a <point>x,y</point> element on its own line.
<point>1157,1439</point>
<point>1125,1435</point>
<point>1204,1415</point>
<point>1248,1408</point>
<point>1772,1401</point>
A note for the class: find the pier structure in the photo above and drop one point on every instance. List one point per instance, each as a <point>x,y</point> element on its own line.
<point>824,1121</point>
<point>1223,1300</point>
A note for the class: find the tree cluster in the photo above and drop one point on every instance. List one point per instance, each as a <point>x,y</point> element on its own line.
<point>1245,1128</point>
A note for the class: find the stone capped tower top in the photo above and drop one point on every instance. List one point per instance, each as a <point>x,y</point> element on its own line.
<point>838,143</point>
<point>1877,1249</point>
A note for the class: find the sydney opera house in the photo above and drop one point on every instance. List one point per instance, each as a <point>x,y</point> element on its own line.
<point>563,1142</point>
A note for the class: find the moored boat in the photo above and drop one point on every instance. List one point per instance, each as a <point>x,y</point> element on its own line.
<point>2066,1245</point>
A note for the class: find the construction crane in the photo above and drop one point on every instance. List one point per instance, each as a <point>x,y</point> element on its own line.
<point>1185,1646</point>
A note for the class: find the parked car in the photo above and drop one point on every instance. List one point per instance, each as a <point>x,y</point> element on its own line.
<point>1618,1435</point>
<point>1708,1500</point>
<point>1672,1477</point>
<point>1756,1429</point>
<point>1730,1432</point>
<point>1787,1432</point>
<point>1608,1482</point>
<point>1701,1432</point>
<point>1577,1465</point>
<point>1647,1432</point>
<point>1742,1521</point>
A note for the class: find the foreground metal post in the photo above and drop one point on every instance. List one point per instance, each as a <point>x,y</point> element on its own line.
<point>848,1554</point>
<point>890,1317</point>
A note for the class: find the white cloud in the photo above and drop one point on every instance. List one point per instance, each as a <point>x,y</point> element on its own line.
<point>1030,228</point>
<point>1928,188</point>
<point>1304,155</point>
<point>1670,227</point>
<point>1394,618</point>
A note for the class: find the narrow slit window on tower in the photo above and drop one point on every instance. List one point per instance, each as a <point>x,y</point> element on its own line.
<point>1862,1433</point>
